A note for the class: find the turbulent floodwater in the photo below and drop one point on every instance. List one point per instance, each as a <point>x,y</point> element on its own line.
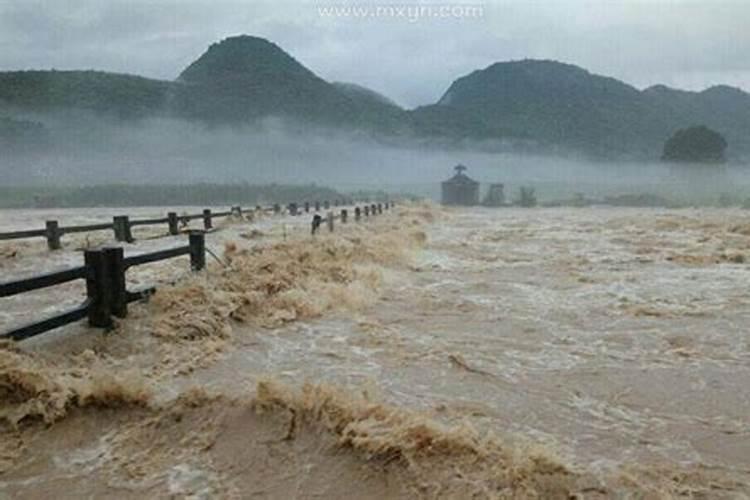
<point>597,352</point>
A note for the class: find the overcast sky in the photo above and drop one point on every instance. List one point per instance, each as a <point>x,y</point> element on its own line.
<point>408,55</point>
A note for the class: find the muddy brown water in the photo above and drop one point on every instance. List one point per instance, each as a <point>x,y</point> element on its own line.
<point>612,342</point>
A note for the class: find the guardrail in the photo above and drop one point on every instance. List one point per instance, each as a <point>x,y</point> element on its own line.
<point>107,295</point>
<point>122,224</point>
<point>343,216</point>
<point>104,271</point>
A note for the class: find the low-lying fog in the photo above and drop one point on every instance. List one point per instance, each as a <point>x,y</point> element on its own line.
<point>86,151</point>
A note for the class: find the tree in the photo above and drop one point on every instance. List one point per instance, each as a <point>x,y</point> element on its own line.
<point>697,144</point>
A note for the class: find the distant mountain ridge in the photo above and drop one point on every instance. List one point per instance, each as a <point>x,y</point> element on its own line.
<point>565,105</point>
<point>542,104</point>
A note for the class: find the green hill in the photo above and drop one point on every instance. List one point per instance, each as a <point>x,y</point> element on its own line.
<point>559,105</point>
<point>122,96</point>
<point>543,105</point>
<point>565,107</point>
<point>244,78</point>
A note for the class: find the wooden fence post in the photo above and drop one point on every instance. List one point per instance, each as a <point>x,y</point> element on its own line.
<point>367,210</point>
<point>307,207</point>
<point>326,205</point>
<point>344,215</point>
<point>293,209</point>
<point>329,220</point>
<point>380,208</point>
<point>53,235</point>
<point>357,213</point>
<point>197,240</point>
<point>207,219</point>
<point>317,220</point>
<point>118,297</point>
<point>98,288</point>
<point>317,206</point>
<point>121,224</point>
<point>117,227</point>
<point>173,222</point>
<point>373,209</point>
<point>128,231</point>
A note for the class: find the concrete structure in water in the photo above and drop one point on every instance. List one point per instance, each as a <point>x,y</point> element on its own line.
<point>495,196</point>
<point>460,189</point>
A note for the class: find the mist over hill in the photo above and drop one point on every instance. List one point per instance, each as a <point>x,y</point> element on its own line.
<point>246,101</point>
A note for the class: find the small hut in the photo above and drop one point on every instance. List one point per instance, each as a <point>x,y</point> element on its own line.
<point>460,189</point>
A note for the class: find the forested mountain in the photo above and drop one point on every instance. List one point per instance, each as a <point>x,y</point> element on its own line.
<point>545,105</point>
<point>243,78</point>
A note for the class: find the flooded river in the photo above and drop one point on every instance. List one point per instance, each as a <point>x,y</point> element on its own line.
<point>438,353</point>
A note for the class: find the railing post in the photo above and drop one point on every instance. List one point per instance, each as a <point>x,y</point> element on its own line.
<point>317,206</point>
<point>117,227</point>
<point>329,220</point>
<point>128,234</point>
<point>357,213</point>
<point>118,298</point>
<point>98,288</point>
<point>207,219</point>
<point>121,224</point>
<point>197,241</point>
<point>173,222</point>
<point>326,205</point>
<point>317,220</point>
<point>344,215</point>
<point>307,207</point>
<point>53,235</point>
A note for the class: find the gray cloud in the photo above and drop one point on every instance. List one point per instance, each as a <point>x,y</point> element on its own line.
<point>684,43</point>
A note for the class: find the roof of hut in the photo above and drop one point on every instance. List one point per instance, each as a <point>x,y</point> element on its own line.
<point>460,177</point>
